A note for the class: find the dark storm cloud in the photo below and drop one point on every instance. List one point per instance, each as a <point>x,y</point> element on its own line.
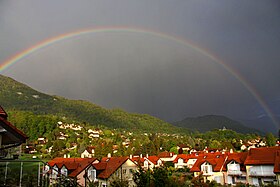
<point>143,73</point>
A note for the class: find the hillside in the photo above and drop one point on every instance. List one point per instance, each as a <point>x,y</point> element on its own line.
<point>18,98</point>
<point>210,122</point>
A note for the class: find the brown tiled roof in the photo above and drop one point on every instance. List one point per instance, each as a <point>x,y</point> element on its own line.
<point>165,154</point>
<point>90,148</point>
<point>3,114</point>
<point>13,130</point>
<point>262,156</point>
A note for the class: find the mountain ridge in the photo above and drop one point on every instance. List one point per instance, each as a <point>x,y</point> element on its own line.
<point>209,122</point>
<point>16,96</point>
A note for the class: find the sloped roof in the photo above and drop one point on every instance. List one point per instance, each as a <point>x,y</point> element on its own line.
<point>90,148</point>
<point>74,165</point>
<point>139,160</point>
<point>215,159</point>
<point>165,154</point>
<point>237,157</point>
<point>11,135</point>
<point>3,114</point>
<point>112,164</point>
<point>277,162</point>
<point>261,156</point>
<point>185,157</point>
<point>153,159</point>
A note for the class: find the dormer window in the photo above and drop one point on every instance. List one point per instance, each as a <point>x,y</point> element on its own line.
<point>233,166</point>
<point>146,164</point>
<point>206,168</point>
<point>180,161</point>
<point>64,171</point>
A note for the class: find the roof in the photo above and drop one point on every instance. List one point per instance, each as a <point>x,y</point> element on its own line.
<point>153,159</point>
<point>74,165</point>
<point>11,134</point>
<point>277,162</point>
<point>165,154</point>
<point>90,148</point>
<point>109,165</point>
<point>237,157</point>
<point>262,156</point>
<point>3,114</point>
<point>185,157</point>
<point>215,159</point>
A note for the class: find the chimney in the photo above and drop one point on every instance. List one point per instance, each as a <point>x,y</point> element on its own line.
<point>141,156</point>
<point>231,151</point>
<point>147,155</point>
<point>109,155</point>
<point>68,156</point>
<point>64,156</point>
<point>130,156</point>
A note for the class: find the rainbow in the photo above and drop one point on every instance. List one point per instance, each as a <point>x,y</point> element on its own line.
<point>45,43</point>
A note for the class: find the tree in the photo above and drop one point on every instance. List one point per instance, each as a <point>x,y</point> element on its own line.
<point>160,177</point>
<point>142,177</point>
<point>117,182</point>
<point>270,139</point>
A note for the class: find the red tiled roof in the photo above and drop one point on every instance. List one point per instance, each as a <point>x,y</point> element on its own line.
<point>74,165</point>
<point>277,162</point>
<point>112,165</point>
<point>215,159</point>
<point>153,159</point>
<point>237,157</point>
<point>262,156</point>
<point>139,160</point>
<point>183,156</point>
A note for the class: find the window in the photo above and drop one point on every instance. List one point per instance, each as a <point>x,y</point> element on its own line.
<point>124,171</point>
<point>146,164</point>
<point>63,171</point>
<point>92,175</point>
<point>180,161</point>
<point>206,168</point>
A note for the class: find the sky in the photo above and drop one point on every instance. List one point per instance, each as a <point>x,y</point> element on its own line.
<point>171,59</point>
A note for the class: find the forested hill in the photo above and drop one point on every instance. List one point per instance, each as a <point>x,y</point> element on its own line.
<point>210,122</point>
<point>19,99</point>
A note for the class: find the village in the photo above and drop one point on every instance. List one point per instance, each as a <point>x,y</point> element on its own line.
<point>256,164</point>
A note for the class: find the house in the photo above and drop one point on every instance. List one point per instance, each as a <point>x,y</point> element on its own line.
<point>183,148</point>
<point>167,156</point>
<point>93,133</point>
<point>75,168</point>
<point>10,136</point>
<point>235,170</point>
<point>185,160</point>
<point>111,168</point>
<point>147,162</point>
<point>181,161</point>
<point>210,165</point>
<point>261,166</point>
<point>277,167</point>
<point>88,152</point>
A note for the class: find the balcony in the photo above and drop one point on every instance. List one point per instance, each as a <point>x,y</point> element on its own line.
<point>234,172</point>
<point>261,174</point>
